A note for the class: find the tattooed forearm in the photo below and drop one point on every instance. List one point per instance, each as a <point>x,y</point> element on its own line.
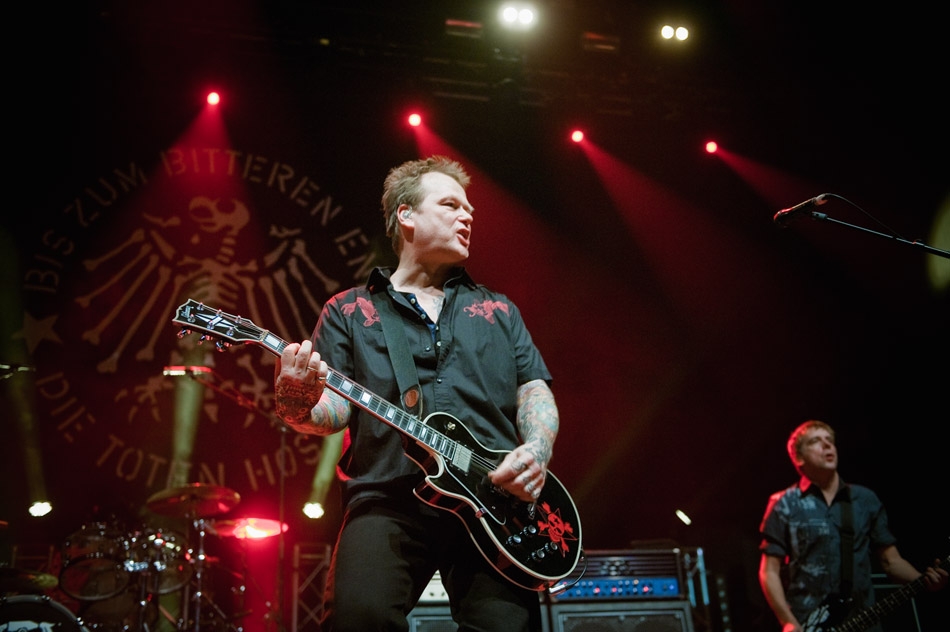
<point>335,411</point>
<point>537,419</point>
<point>293,404</point>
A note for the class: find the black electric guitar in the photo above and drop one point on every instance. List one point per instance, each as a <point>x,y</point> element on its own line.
<point>828,617</point>
<point>534,545</point>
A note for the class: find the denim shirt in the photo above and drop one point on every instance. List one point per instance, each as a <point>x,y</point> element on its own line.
<point>805,531</point>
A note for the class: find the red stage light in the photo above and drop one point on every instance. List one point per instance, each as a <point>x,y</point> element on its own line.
<point>214,98</point>
<point>711,147</point>
<point>577,136</point>
<point>415,119</point>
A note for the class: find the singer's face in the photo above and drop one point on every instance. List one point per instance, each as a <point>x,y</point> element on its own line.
<point>442,222</point>
<point>818,451</point>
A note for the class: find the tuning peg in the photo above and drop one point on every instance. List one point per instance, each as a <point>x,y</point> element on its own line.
<point>184,332</point>
<point>221,345</point>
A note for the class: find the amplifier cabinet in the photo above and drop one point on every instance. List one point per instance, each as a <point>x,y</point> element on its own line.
<point>626,574</point>
<point>437,618</point>
<point>627,616</point>
<point>431,618</point>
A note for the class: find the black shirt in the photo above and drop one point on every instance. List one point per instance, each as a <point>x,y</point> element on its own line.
<point>470,365</point>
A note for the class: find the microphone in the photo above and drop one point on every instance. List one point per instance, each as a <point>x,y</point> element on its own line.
<point>178,370</point>
<point>787,214</point>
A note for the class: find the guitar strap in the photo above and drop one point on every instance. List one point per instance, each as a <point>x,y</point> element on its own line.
<point>847,545</point>
<point>406,377</point>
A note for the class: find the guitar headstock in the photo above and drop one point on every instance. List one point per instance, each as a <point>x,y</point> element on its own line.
<point>213,324</point>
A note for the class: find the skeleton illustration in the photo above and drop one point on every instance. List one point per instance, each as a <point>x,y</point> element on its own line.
<point>195,254</point>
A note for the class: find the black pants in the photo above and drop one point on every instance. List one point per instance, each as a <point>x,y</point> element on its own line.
<point>385,556</point>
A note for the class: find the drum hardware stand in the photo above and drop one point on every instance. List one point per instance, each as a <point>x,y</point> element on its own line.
<point>195,502</point>
<point>206,376</point>
<point>198,594</point>
<point>199,525</point>
<point>149,585</point>
<point>144,590</point>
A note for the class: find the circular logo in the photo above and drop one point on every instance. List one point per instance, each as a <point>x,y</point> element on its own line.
<point>124,402</point>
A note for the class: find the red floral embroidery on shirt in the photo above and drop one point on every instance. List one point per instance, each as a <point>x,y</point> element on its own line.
<point>486,309</point>
<point>366,306</point>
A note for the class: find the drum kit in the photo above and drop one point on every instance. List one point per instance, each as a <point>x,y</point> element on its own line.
<point>119,577</point>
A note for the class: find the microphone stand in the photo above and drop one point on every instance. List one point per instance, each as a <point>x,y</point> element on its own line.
<point>891,235</point>
<point>916,243</point>
<point>198,374</point>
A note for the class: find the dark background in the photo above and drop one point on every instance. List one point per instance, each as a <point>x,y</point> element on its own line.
<point>687,333</point>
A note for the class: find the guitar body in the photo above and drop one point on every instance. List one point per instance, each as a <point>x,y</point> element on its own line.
<point>532,544</point>
<point>832,611</point>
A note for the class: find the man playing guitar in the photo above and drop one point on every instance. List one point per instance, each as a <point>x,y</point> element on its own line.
<point>812,529</point>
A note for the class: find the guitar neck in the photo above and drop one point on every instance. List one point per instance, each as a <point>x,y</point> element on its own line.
<point>369,401</point>
<point>866,618</point>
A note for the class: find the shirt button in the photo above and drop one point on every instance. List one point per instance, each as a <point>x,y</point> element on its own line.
<point>428,348</point>
<point>438,344</point>
<point>439,380</point>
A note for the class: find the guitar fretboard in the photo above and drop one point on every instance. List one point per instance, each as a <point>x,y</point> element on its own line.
<point>866,618</point>
<point>235,329</point>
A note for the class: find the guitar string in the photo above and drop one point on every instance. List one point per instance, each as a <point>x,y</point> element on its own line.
<point>236,322</point>
<point>483,463</point>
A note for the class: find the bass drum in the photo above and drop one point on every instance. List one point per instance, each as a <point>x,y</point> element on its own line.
<point>36,612</point>
<point>93,563</point>
<point>122,613</point>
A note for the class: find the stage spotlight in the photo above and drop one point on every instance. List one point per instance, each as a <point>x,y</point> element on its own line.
<point>712,147</point>
<point>669,32</point>
<point>213,98</point>
<point>518,16</point>
<point>40,508</point>
<point>324,475</point>
<point>577,135</point>
<point>415,120</point>
<point>313,509</point>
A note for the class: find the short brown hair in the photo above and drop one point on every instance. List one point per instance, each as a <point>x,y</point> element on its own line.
<point>402,186</point>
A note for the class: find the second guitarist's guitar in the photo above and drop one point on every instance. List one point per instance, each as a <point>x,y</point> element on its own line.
<point>533,545</point>
<point>830,616</point>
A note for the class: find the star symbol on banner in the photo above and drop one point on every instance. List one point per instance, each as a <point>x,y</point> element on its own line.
<point>36,331</point>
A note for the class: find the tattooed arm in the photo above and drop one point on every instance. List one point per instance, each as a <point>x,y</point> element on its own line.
<point>300,396</point>
<point>523,470</point>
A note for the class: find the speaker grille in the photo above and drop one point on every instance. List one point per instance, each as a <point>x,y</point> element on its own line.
<point>621,617</point>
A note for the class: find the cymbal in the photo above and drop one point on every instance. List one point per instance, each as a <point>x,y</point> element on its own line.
<point>249,528</point>
<point>19,580</point>
<point>196,500</point>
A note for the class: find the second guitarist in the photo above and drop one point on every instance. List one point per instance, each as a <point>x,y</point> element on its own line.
<point>807,543</point>
<point>474,359</point>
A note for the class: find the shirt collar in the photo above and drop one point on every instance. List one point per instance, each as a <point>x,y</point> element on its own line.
<point>379,278</point>
<point>808,487</point>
